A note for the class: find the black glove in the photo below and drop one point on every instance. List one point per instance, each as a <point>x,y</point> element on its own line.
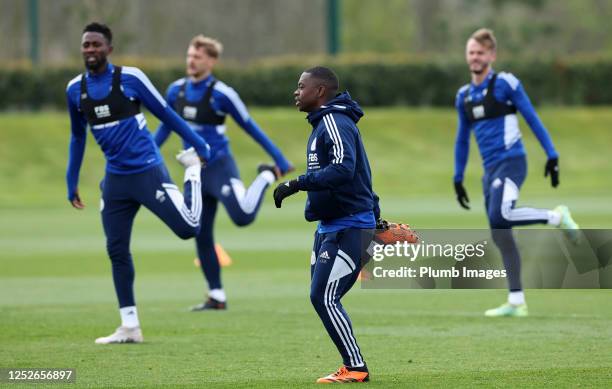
<point>382,224</point>
<point>552,168</point>
<point>462,196</point>
<point>285,189</point>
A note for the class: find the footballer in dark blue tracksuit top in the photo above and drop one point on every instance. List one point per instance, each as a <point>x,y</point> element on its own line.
<point>339,185</point>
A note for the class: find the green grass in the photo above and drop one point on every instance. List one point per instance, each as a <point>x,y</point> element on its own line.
<point>56,293</point>
<point>410,150</point>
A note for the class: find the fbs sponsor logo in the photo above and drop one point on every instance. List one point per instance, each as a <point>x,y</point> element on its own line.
<point>160,196</point>
<point>313,158</point>
<point>478,112</point>
<point>313,161</point>
<point>190,112</point>
<point>102,111</point>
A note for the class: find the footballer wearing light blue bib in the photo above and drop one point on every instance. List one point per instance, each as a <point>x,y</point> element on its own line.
<point>488,107</point>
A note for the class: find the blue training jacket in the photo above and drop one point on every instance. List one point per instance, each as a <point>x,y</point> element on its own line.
<point>127,144</point>
<point>338,177</point>
<point>224,101</point>
<point>498,138</point>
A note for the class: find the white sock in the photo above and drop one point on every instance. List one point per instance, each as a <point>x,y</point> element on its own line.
<point>192,173</point>
<point>217,294</point>
<point>268,176</point>
<point>554,218</point>
<point>129,317</point>
<point>516,298</point>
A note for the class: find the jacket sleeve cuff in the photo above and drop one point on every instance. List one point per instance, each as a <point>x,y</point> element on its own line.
<point>301,182</point>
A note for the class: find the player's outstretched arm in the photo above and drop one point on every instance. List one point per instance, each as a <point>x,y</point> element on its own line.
<point>163,132</point>
<point>283,164</point>
<point>523,104</point>
<point>341,169</point>
<point>155,103</point>
<point>341,154</point>
<point>78,137</point>
<point>462,150</point>
<point>170,118</point>
<point>231,103</point>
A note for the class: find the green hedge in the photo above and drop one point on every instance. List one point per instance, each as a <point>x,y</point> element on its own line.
<point>372,83</point>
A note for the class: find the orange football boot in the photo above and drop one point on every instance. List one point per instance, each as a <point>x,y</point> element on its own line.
<point>345,376</point>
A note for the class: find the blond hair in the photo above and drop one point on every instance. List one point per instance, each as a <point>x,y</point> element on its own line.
<point>213,47</point>
<point>485,37</point>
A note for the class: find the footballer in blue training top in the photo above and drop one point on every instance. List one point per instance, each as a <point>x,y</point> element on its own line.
<point>107,98</point>
<point>338,181</point>
<point>488,107</point>
<point>204,102</point>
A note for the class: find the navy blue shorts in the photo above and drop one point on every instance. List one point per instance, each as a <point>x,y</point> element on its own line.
<point>501,186</point>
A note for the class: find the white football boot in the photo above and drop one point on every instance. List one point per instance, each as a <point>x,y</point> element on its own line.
<point>570,228</point>
<point>189,158</point>
<point>122,335</point>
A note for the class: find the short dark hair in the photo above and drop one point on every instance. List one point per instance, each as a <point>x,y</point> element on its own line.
<point>326,75</point>
<point>101,28</point>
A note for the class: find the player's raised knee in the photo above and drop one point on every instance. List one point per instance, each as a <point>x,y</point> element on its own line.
<point>497,220</point>
<point>187,232</point>
<point>244,219</point>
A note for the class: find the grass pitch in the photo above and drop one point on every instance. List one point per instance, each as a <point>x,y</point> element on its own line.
<point>56,293</point>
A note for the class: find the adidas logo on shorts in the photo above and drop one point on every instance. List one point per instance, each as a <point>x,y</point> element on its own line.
<point>324,255</point>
